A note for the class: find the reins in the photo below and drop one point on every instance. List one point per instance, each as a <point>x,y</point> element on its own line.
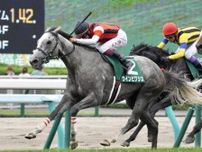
<point>49,55</point>
<point>67,54</point>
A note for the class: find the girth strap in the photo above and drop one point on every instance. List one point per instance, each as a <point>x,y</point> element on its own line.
<point>114,91</point>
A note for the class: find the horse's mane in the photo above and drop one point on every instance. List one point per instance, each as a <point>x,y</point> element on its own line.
<point>67,36</point>
<point>139,49</point>
<point>64,34</point>
<point>152,52</point>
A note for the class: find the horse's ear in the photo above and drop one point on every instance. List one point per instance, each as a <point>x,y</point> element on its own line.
<point>48,29</point>
<point>53,29</point>
<point>57,29</point>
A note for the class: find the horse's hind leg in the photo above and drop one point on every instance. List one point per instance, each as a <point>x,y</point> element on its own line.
<point>132,121</point>
<point>153,125</point>
<point>144,98</point>
<point>165,101</point>
<point>190,137</point>
<point>126,143</point>
<point>162,101</point>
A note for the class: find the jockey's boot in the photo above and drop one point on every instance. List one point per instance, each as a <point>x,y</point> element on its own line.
<point>197,63</point>
<point>126,64</point>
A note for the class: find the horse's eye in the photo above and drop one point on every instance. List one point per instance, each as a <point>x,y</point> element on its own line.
<point>49,42</point>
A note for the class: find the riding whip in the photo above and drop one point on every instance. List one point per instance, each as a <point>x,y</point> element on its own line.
<point>80,23</point>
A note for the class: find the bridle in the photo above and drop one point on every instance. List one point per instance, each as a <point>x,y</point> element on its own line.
<point>49,55</point>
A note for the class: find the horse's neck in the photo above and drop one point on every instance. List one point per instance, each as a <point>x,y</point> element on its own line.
<point>160,51</point>
<point>79,58</point>
<point>66,45</point>
<point>66,53</point>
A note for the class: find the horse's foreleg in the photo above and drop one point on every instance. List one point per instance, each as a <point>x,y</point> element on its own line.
<point>73,142</point>
<point>89,101</point>
<point>58,112</point>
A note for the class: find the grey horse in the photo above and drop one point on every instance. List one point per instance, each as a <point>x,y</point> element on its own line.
<point>90,80</point>
<point>179,66</point>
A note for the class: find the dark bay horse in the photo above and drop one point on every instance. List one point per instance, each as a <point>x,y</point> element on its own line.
<point>179,66</point>
<point>158,56</point>
<point>90,80</point>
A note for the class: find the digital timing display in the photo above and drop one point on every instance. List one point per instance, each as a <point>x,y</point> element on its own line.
<point>21,25</point>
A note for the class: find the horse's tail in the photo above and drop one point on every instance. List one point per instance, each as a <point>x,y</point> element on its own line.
<point>184,91</point>
<point>196,83</point>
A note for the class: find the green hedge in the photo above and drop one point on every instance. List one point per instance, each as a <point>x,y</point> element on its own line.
<point>124,106</point>
<point>17,69</point>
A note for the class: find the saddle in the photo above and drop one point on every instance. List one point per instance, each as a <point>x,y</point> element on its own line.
<point>134,74</point>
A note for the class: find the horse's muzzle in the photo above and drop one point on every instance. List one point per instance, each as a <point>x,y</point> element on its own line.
<point>36,64</point>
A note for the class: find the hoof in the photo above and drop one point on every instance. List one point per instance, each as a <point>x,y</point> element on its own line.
<point>150,139</point>
<point>189,140</point>
<point>74,144</point>
<point>125,144</point>
<point>30,136</point>
<point>105,143</point>
<point>113,141</point>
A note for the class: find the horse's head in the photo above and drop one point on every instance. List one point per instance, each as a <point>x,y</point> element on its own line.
<point>48,47</point>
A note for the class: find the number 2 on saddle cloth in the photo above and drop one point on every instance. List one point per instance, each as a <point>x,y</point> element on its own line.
<point>134,75</point>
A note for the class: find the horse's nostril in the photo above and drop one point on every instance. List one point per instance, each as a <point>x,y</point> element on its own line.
<point>34,61</point>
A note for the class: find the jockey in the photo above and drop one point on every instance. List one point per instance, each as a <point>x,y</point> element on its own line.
<point>105,37</point>
<point>186,38</point>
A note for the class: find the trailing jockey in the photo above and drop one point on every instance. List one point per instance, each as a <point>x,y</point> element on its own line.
<point>186,38</point>
<point>107,38</point>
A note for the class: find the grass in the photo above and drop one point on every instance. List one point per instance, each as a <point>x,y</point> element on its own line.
<point>114,150</point>
<point>17,69</point>
<point>42,112</point>
<point>28,112</point>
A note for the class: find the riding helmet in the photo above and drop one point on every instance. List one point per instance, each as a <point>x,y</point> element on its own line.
<point>169,28</point>
<point>81,27</point>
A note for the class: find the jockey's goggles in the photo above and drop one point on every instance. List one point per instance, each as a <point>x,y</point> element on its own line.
<point>170,36</point>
